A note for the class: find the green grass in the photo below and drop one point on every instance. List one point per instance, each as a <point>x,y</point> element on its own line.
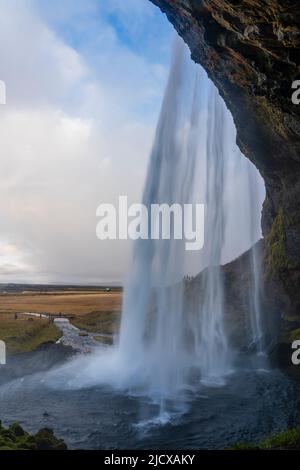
<point>24,335</point>
<point>97,322</point>
<point>292,335</point>
<point>288,439</point>
<point>276,259</point>
<point>103,339</point>
<point>15,438</point>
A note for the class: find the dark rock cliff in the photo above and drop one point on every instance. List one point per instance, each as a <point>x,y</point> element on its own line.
<point>250,49</point>
<point>238,284</point>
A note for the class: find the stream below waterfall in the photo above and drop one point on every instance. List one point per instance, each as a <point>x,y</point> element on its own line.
<point>251,405</point>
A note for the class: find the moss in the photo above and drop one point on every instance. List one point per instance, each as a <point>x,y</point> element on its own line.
<point>272,114</point>
<point>15,438</point>
<point>45,440</point>
<point>244,446</point>
<point>293,220</point>
<point>292,336</point>
<point>17,430</point>
<point>288,439</point>
<point>276,258</point>
<point>291,318</point>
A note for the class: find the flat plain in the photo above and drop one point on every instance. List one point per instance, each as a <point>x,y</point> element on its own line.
<point>91,309</point>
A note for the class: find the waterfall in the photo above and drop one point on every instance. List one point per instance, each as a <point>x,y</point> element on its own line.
<point>152,332</point>
<point>194,159</point>
<point>213,350</point>
<point>255,301</point>
<point>255,291</point>
<point>171,350</point>
<point>166,349</point>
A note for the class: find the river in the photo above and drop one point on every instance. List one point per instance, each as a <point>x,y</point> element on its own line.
<point>250,406</point>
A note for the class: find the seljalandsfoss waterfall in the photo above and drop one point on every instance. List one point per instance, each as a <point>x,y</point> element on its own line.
<point>188,367</point>
<point>150,228</point>
<point>167,347</point>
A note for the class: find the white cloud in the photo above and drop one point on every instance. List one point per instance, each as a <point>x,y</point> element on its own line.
<point>37,67</point>
<point>76,131</point>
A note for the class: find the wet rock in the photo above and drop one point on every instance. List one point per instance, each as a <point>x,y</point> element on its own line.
<point>15,438</point>
<point>250,30</point>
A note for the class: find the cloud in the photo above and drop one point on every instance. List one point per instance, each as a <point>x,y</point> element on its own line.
<point>12,261</point>
<point>37,67</point>
<point>7,269</point>
<point>76,131</point>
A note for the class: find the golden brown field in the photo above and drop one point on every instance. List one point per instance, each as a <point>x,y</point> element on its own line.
<point>91,310</point>
<point>54,302</point>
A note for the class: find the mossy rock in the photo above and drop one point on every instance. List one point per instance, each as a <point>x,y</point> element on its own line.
<point>45,440</point>
<point>289,439</point>
<point>15,438</point>
<point>244,446</point>
<point>276,258</point>
<point>17,430</point>
<point>291,336</point>
<point>285,440</point>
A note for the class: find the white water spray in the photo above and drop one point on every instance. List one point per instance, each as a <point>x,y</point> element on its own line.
<point>166,347</point>
<point>153,334</point>
<point>164,350</point>
<point>212,346</point>
<point>255,291</point>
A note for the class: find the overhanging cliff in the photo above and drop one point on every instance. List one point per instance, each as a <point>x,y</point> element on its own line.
<point>250,49</point>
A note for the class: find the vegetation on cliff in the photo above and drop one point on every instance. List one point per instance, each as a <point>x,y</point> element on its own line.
<point>276,258</point>
<point>285,440</point>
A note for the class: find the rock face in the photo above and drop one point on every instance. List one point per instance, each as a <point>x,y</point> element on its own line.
<point>237,277</point>
<point>250,49</point>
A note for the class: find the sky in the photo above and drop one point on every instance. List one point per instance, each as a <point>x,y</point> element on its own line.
<point>84,81</point>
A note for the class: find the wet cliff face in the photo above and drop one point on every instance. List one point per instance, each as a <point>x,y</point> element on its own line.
<point>250,49</point>
<point>237,278</point>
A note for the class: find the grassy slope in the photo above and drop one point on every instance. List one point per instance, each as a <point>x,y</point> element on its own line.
<point>15,438</point>
<point>24,335</point>
<point>92,311</point>
<point>102,322</point>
